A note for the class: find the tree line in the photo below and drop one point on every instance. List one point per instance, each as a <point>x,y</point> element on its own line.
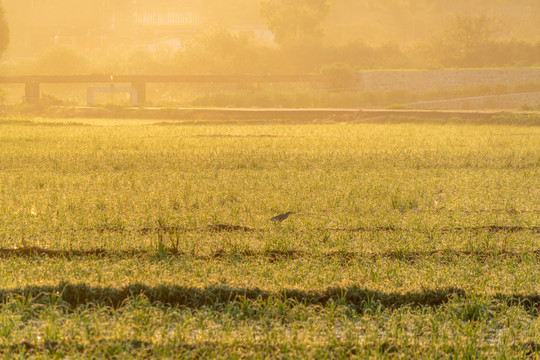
<point>299,30</point>
<point>4,31</point>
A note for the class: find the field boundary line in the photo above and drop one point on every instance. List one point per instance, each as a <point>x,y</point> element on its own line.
<point>217,296</point>
<point>271,255</point>
<point>241,228</point>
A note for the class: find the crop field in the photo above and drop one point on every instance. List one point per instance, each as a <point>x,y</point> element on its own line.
<point>152,239</point>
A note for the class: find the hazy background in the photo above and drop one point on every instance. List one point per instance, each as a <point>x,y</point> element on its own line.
<point>165,35</point>
<point>334,37</point>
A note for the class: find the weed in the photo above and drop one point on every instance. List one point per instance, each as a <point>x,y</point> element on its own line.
<point>403,204</point>
<point>172,254</point>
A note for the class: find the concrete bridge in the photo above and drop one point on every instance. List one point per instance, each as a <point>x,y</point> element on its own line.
<point>138,82</point>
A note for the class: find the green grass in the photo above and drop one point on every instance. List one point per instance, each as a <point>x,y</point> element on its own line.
<point>128,239</point>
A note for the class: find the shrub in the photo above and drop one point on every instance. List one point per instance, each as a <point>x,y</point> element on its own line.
<point>338,76</point>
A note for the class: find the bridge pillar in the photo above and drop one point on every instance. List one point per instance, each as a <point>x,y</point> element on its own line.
<point>31,93</point>
<point>141,92</point>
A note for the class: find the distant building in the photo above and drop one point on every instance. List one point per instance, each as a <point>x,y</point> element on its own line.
<point>94,24</point>
<point>259,33</point>
<point>169,26</point>
<point>167,18</point>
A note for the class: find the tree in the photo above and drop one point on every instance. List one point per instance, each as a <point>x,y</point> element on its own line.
<point>465,41</point>
<point>220,52</point>
<point>295,21</point>
<point>4,31</point>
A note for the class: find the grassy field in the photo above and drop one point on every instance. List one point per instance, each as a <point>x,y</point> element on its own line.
<point>141,238</point>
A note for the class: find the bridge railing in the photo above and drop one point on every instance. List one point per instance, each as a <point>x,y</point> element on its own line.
<point>138,82</point>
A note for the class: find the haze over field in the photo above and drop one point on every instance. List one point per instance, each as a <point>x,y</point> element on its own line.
<point>362,33</point>
<point>336,39</point>
<point>270,179</point>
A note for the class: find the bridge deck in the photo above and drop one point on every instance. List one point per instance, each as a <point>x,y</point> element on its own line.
<point>32,82</point>
<point>70,79</point>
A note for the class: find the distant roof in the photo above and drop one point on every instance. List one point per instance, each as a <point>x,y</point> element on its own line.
<point>167,18</point>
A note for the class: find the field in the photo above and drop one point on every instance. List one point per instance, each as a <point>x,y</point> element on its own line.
<point>141,238</point>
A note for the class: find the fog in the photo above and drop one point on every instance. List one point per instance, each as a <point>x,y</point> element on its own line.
<point>37,25</point>
<point>333,38</point>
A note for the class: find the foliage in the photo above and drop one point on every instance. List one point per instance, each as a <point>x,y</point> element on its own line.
<point>464,42</point>
<point>402,243</point>
<point>62,61</point>
<point>4,31</point>
<point>338,76</point>
<point>407,22</point>
<point>220,52</point>
<point>224,52</point>
<point>295,21</point>
<point>300,96</point>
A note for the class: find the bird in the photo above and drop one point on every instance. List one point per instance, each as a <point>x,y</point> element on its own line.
<point>281,217</point>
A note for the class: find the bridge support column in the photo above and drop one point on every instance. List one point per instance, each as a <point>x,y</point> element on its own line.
<point>141,92</point>
<point>31,93</point>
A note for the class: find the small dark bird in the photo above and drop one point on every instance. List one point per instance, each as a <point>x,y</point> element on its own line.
<point>281,217</point>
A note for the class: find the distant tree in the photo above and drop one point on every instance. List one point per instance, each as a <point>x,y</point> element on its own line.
<point>295,21</point>
<point>62,60</point>
<point>4,31</point>
<point>338,76</point>
<point>219,52</point>
<point>465,41</point>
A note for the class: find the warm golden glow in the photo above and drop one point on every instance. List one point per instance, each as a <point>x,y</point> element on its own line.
<point>333,38</point>
<point>122,34</point>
